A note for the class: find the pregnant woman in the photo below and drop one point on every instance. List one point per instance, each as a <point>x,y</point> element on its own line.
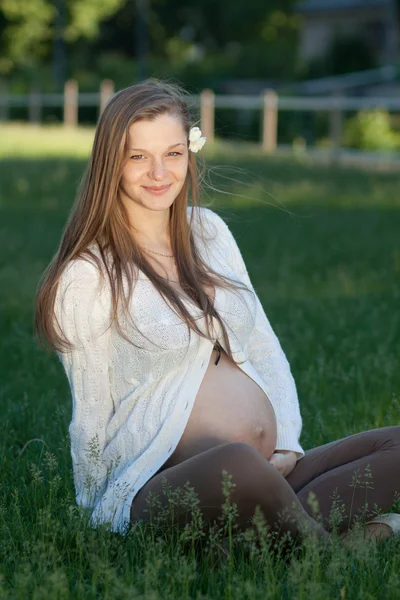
<point>175,372</point>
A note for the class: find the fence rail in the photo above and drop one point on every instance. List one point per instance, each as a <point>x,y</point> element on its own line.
<point>269,103</point>
<point>221,101</point>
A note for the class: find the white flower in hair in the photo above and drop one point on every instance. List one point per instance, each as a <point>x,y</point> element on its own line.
<point>197,141</point>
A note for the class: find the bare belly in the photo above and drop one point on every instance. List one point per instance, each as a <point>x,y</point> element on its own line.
<point>229,407</point>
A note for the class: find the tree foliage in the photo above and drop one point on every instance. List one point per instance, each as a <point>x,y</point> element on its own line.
<point>30,26</point>
<point>26,31</point>
<point>249,38</point>
<point>85,17</point>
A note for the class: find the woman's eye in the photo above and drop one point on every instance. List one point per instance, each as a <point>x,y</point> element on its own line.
<point>139,156</point>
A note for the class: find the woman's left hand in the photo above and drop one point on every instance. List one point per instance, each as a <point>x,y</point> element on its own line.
<point>284,461</point>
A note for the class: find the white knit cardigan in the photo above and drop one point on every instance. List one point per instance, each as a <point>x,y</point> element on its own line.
<point>130,406</point>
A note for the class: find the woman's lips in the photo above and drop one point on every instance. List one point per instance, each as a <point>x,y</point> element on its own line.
<point>157,190</point>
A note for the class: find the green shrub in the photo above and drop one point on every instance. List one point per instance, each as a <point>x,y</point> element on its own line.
<point>371,130</point>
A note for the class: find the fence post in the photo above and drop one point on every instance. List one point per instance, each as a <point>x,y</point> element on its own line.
<point>207,114</point>
<point>336,124</point>
<point>71,103</point>
<point>4,105</point>
<point>34,106</point>
<point>106,93</point>
<point>270,121</point>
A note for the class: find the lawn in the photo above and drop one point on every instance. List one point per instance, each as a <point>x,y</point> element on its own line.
<point>322,247</point>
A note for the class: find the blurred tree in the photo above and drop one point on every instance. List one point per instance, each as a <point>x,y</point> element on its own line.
<point>26,32</point>
<point>28,27</point>
<point>214,24</point>
<point>187,40</point>
<point>85,17</point>
<point>59,50</point>
<point>248,40</point>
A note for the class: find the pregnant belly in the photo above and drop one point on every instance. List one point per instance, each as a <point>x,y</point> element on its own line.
<point>229,407</point>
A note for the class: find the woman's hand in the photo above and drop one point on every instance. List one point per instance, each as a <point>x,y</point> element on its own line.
<point>284,461</point>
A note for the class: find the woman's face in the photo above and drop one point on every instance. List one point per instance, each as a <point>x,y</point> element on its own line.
<point>157,164</point>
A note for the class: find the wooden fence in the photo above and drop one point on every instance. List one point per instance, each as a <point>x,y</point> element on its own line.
<point>268,102</point>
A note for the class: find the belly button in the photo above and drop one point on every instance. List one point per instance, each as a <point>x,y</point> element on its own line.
<point>260,430</point>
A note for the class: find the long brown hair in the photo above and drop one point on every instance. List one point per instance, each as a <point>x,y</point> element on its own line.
<point>98,216</point>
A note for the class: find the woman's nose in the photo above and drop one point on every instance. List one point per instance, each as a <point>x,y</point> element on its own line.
<point>158,171</point>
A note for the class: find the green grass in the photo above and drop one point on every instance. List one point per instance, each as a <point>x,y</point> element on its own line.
<point>322,248</point>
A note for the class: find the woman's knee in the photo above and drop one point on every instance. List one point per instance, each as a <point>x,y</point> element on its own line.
<point>247,467</point>
<point>390,436</point>
<point>240,457</point>
<point>395,434</point>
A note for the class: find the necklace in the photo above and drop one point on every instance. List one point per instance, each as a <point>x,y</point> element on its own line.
<point>159,254</point>
<point>168,256</point>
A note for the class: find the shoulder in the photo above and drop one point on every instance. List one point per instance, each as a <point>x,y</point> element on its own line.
<point>82,276</point>
<point>83,302</point>
<point>79,271</point>
<point>209,221</point>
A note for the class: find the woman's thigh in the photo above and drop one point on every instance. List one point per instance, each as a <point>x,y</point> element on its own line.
<point>329,456</point>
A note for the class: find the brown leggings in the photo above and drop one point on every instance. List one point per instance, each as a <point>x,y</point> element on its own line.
<point>338,468</point>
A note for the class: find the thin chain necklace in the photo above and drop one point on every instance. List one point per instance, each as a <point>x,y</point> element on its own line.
<point>168,256</point>
<point>159,254</point>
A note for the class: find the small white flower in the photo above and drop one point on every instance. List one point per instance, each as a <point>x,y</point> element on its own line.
<point>197,141</point>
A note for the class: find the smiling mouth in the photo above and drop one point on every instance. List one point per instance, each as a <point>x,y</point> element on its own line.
<point>162,187</point>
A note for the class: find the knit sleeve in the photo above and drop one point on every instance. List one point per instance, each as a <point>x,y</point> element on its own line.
<point>266,355</point>
<point>83,313</point>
